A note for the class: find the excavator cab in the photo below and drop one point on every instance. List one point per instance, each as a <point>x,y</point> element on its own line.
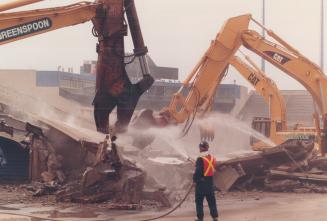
<point>262,125</point>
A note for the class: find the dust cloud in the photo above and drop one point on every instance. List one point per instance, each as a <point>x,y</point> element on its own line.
<point>231,135</point>
<point>28,107</point>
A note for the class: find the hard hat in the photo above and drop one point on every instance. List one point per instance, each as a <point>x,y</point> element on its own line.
<point>204,144</point>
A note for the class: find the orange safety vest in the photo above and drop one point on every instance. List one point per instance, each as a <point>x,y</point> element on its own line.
<point>209,163</point>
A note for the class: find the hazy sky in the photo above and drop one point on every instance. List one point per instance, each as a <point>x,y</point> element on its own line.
<point>177,33</point>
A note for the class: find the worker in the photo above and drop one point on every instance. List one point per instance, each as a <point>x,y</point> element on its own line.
<point>203,179</point>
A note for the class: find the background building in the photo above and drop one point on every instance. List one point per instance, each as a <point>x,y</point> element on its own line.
<point>75,92</point>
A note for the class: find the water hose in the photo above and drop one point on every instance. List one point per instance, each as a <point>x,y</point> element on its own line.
<point>173,209</point>
<point>150,219</point>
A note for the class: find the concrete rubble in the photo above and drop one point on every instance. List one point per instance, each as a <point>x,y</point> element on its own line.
<point>83,167</point>
<point>76,168</point>
<point>293,166</point>
<point>110,177</point>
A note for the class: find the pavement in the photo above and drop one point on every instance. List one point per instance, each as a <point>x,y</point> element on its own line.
<point>232,207</point>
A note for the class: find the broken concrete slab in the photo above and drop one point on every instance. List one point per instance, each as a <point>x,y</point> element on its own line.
<point>227,176</point>
<point>320,178</point>
<point>285,185</point>
<point>289,151</point>
<point>255,167</point>
<point>319,163</point>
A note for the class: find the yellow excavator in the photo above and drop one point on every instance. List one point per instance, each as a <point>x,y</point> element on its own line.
<point>113,87</point>
<point>210,70</point>
<point>272,96</point>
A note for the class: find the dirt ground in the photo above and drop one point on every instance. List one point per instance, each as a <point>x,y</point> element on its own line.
<point>235,206</point>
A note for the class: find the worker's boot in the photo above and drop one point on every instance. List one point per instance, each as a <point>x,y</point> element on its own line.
<point>197,219</point>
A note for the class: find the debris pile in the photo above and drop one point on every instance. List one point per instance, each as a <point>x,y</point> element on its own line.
<point>111,178</point>
<point>293,166</point>
<point>100,172</point>
<point>46,163</point>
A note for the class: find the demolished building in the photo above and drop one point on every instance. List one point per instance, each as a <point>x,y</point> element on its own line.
<point>76,164</point>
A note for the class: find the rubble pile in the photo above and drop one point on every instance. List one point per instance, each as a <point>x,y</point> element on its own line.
<point>120,180</point>
<point>50,164</point>
<point>293,166</point>
<point>98,172</point>
<point>111,178</point>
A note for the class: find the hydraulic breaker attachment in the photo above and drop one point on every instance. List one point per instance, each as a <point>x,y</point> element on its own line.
<point>113,87</point>
<point>125,102</point>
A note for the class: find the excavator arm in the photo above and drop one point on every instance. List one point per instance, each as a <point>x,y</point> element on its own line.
<point>15,26</point>
<point>291,62</point>
<point>283,56</point>
<point>210,70</point>
<point>113,87</point>
<point>266,88</point>
<point>205,77</point>
<point>269,91</point>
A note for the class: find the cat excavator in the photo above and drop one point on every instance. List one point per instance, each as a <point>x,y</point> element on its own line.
<point>210,70</point>
<point>267,88</point>
<point>113,87</point>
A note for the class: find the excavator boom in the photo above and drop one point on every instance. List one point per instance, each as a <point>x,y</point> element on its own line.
<point>208,73</point>
<point>35,22</point>
<point>294,64</point>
